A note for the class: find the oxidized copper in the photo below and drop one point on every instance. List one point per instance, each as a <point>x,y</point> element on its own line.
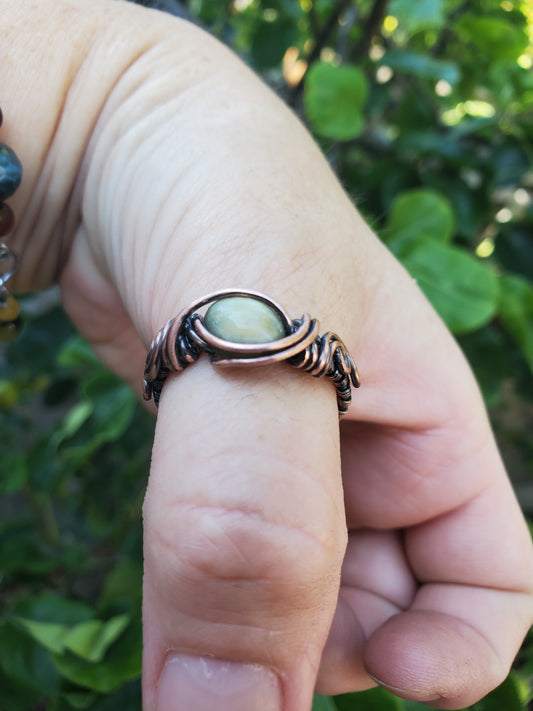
<point>184,338</point>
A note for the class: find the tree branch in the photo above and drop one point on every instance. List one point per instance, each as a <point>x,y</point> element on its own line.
<point>320,43</point>
<point>370,29</point>
<point>446,34</point>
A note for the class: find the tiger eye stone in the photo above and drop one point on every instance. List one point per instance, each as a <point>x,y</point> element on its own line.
<point>10,172</point>
<point>9,309</point>
<point>243,319</point>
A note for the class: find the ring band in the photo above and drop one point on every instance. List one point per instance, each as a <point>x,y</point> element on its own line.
<point>244,328</point>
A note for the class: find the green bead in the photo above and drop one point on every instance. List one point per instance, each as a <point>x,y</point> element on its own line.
<point>243,319</point>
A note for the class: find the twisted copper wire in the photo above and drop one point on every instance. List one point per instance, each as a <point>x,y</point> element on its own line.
<point>184,338</point>
<point>327,356</point>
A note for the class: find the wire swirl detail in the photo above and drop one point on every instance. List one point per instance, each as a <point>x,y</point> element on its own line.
<point>184,338</point>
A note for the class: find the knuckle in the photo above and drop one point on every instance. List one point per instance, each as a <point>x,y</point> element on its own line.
<point>202,545</point>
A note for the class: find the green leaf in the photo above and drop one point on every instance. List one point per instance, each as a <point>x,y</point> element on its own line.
<point>463,290</point>
<point>516,312</point>
<point>80,700</point>
<point>487,350</point>
<point>514,248</point>
<point>123,587</point>
<point>75,419</point>
<point>323,703</point>
<point>494,36</point>
<point>270,42</point>
<point>334,99</point>
<point>14,472</point>
<point>377,699</point>
<point>22,553</point>
<point>91,640</point>
<point>88,640</point>
<point>506,696</point>
<point>25,663</point>
<point>102,417</point>
<point>126,698</point>
<point>47,334</point>
<point>422,66</point>
<point>17,696</point>
<point>418,15</point>
<point>50,607</point>
<point>77,353</point>
<point>416,215</point>
<point>49,635</point>
<point>122,663</point>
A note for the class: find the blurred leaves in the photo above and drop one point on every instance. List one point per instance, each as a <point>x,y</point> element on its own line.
<point>495,36</point>
<point>87,640</point>
<point>509,696</point>
<point>422,66</point>
<point>67,526</point>
<point>270,41</point>
<point>417,215</point>
<point>420,15</point>
<point>334,100</point>
<point>516,312</point>
<point>463,290</point>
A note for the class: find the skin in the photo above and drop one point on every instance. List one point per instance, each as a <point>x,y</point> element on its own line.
<point>158,169</point>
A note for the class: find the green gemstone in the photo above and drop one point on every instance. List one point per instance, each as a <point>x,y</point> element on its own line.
<point>243,319</point>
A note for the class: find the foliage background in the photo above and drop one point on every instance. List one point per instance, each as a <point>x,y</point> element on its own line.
<point>425,111</point>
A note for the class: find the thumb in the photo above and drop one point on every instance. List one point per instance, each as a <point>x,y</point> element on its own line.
<point>244,538</point>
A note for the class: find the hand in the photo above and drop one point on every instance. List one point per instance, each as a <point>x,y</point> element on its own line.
<point>161,169</point>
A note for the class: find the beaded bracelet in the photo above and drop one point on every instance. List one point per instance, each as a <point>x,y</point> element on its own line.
<point>10,177</point>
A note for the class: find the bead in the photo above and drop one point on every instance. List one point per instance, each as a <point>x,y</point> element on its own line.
<point>243,319</point>
<point>9,331</point>
<point>7,219</point>
<point>9,309</point>
<point>10,172</point>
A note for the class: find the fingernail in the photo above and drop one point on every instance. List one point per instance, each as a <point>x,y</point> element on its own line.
<point>408,694</point>
<point>205,684</point>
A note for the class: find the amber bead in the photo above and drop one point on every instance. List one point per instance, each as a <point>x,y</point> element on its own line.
<point>9,309</point>
<point>7,219</point>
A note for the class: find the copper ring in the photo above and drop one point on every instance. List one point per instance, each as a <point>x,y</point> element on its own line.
<point>184,338</point>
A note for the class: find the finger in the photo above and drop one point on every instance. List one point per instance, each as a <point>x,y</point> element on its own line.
<point>468,619</point>
<point>376,584</point>
<point>94,305</point>
<point>52,96</point>
<point>465,646</point>
<point>244,538</point>
<point>428,461</point>
<point>485,542</point>
<point>396,477</point>
<point>453,647</point>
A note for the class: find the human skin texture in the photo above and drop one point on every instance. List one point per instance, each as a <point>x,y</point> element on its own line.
<point>282,553</point>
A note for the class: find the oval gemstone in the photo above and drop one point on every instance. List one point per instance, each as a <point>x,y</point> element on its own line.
<point>10,172</point>
<point>243,319</point>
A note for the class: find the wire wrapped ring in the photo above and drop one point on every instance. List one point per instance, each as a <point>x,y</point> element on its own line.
<point>184,338</point>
